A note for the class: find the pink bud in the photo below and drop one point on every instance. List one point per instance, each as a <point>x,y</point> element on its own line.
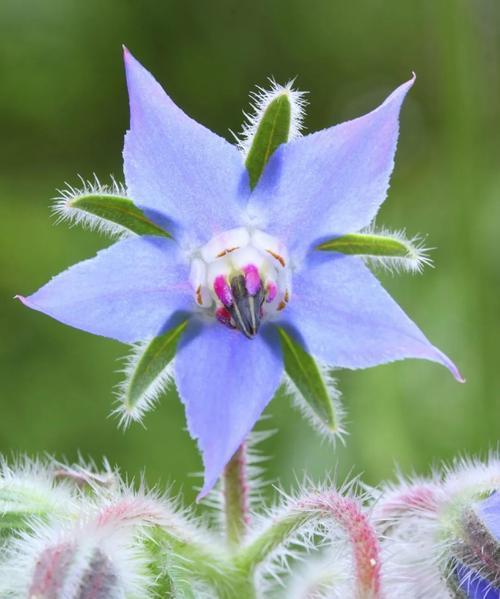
<point>405,500</point>
<point>51,570</point>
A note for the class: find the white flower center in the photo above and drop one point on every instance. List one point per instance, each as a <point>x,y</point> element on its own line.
<point>242,276</point>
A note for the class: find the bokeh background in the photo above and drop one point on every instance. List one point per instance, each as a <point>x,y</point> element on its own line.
<point>63,112</point>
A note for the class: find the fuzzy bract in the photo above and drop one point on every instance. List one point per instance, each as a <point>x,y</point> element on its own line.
<point>243,261</point>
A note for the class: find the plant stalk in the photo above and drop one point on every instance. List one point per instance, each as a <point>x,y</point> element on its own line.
<point>236,497</point>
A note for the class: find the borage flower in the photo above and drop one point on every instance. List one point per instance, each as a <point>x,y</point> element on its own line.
<point>260,269</point>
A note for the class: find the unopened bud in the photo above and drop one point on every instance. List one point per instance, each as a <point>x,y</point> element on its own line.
<point>477,550</point>
<point>51,571</point>
<point>100,580</point>
<point>443,534</point>
<point>70,571</point>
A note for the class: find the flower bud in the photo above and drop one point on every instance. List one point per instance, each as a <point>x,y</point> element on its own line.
<point>442,536</point>
<point>477,550</point>
<point>100,556</point>
<point>67,570</point>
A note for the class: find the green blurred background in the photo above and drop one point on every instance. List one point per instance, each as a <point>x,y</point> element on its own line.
<point>63,112</point>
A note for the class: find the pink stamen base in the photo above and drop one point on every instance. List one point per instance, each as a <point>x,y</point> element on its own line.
<point>252,279</point>
<point>223,291</point>
<point>272,291</point>
<point>223,316</point>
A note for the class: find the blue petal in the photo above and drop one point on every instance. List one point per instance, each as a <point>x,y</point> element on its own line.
<point>347,319</point>
<point>182,175</point>
<point>127,292</point>
<point>489,512</point>
<point>474,585</point>
<point>331,182</point>
<point>225,381</point>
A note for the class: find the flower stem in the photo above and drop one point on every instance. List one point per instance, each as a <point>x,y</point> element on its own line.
<point>236,507</point>
<point>345,512</point>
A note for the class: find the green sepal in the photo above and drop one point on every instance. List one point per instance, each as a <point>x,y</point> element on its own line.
<point>273,130</point>
<point>12,521</point>
<point>184,561</point>
<point>18,507</point>
<point>360,244</point>
<point>150,364</point>
<point>310,382</point>
<point>116,209</point>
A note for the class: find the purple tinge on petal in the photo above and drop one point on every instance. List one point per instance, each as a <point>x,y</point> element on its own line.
<point>331,182</point>
<point>127,292</point>
<point>225,381</point>
<point>346,318</point>
<point>489,512</point>
<point>475,586</point>
<point>182,175</point>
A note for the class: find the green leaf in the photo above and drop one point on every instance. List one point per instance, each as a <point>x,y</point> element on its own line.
<point>310,382</point>
<point>360,244</point>
<point>273,129</point>
<point>146,373</point>
<point>113,209</point>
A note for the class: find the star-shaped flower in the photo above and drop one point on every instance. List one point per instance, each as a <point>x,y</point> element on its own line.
<point>242,273</point>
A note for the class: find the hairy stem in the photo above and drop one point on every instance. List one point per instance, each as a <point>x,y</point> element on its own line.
<point>346,513</point>
<point>235,489</point>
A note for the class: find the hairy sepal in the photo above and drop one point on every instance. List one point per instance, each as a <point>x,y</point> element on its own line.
<point>471,542</point>
<point>28,492</point>
<point>276,118</point>
<point>106,209</point>
<point>313,385</point>
<point>148,370</point>
<point>272,131</point>
<point>390,250</point>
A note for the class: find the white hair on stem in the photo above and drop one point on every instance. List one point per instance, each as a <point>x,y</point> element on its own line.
<point>260,101</point>
<point>65,212</point>
<point>254,472</point>
<point>327,525</point>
